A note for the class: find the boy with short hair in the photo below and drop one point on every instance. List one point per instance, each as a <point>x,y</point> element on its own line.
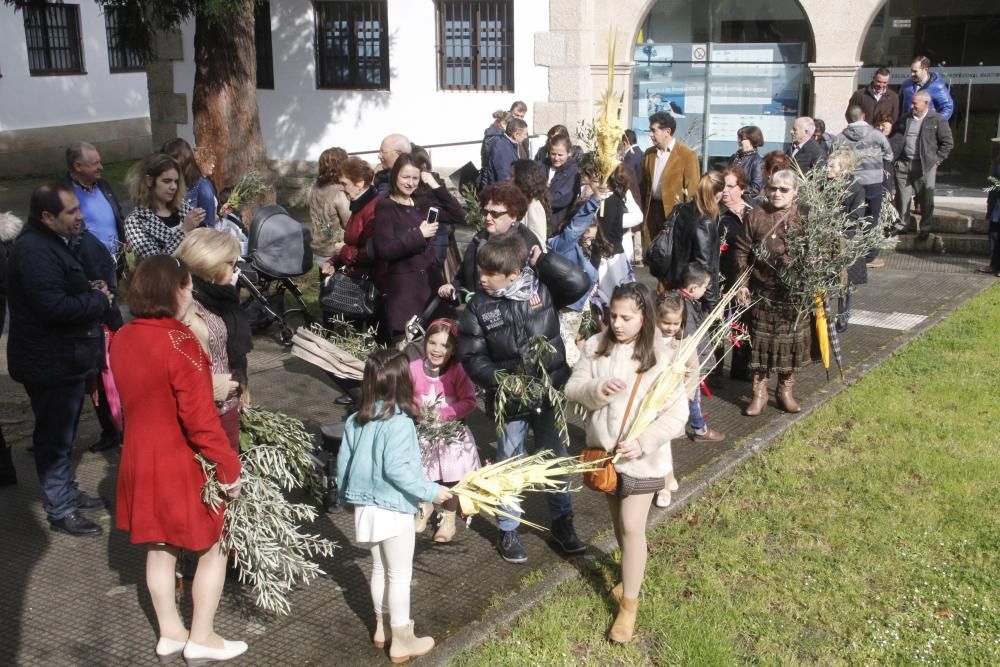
<point>696,280</point>
<point>515,302</point>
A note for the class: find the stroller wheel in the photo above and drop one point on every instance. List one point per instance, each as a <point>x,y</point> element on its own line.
<point>285,336</point>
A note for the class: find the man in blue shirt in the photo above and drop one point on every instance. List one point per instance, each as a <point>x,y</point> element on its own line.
<point>101,212</point>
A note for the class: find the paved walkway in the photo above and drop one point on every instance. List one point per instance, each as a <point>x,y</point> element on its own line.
<point>74,601</point>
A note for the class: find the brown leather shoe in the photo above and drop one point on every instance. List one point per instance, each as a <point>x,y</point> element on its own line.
<point>783,394</point>
<point>759,400</point>
<point>711,435</point>
<point>876,263</point>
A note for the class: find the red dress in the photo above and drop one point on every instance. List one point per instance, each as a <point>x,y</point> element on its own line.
<point>164,379</point>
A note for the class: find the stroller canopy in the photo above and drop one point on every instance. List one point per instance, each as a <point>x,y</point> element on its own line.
<point>279,244</point>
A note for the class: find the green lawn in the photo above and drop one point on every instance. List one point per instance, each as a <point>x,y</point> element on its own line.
<point>868,534</point>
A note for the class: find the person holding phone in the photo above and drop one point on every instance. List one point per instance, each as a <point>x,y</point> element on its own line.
<point>404,228</point>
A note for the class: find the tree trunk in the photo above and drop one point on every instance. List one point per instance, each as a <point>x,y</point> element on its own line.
<point>224,102</point>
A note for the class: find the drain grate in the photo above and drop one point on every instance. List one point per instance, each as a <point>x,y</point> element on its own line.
<point>897,321</point>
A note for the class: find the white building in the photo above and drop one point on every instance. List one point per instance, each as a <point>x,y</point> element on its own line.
<point>60,82</point>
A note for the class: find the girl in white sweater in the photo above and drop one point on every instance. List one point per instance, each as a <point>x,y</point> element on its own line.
<point>617,369</point>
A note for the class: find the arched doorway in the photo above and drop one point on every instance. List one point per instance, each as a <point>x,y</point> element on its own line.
<point>717,65</point>
<point>960,40</point>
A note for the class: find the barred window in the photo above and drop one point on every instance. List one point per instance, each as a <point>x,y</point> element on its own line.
<point>352,45</point>
<point>120,57</point>
<point>475,42</point>
<point>52,33</point>
<point>262,44</point>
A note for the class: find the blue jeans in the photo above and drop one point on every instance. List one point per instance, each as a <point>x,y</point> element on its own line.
<point>57,414</point>
<point>696,421</point>
<point>512,442</point>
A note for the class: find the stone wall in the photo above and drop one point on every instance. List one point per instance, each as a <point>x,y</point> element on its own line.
<point>42,151</point>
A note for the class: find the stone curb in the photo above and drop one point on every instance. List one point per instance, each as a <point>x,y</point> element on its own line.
<point>476,632</point>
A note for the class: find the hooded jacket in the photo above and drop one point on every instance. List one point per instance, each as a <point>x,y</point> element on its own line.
<point>870,148</point>
<point>495,333</point>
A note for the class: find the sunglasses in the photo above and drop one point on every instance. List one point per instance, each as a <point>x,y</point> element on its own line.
<point>493,213</point>
<point>782,189</point>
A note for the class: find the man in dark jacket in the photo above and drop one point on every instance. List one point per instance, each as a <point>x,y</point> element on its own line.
<point>504,151</point>
<point>55,344</point>
<point>804,150</point>
<point>514,304</point>
<point>877,98</point>
<point>389,150</point>
<point>927,141</point>
<point>922,78</point>
<point>100,208</point>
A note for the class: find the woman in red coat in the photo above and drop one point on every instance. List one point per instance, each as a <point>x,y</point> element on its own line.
<point>165,383</point>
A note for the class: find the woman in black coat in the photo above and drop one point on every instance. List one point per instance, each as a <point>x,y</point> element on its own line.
<point>404,252</point>
<point>749,138</point>
<point>564,179</point>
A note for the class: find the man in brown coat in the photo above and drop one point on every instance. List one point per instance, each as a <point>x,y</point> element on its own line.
<point>670,173</point>
<point>877,98</point>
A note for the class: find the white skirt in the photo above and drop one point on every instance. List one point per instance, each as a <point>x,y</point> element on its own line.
<point>373,524</point>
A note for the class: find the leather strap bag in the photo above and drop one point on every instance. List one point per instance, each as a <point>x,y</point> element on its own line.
<point>605,479</point>
<point>344,294</point>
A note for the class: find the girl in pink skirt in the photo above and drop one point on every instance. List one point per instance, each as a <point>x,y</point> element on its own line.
<point>440,383</point>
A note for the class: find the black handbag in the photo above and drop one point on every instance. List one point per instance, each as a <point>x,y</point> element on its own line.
<point>354,297</point>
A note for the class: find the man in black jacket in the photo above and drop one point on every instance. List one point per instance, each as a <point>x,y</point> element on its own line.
<point>55,344</point>
<point>804,150</point>
<point>514,304</point>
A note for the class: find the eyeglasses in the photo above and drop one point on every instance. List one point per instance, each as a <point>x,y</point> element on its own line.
<point>493,212</point>
<point>784,190</point>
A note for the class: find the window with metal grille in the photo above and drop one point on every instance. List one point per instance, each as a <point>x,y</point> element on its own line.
<point>352,45</point>
<point>120,57</point>
<point>475,45</point>
<point>52,33</point>
<point>262,45</point>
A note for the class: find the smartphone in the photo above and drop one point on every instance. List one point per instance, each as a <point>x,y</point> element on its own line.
<point>432,214</point>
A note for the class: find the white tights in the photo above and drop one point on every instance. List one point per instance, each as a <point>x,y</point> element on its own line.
<point>392,569</point>
<point>629,516</point>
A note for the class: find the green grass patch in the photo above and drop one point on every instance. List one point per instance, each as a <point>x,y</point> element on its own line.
<point>868,534</point>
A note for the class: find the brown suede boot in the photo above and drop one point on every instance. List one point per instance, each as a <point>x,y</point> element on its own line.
<point>783,394</point>
<point>405,645</point>
<point>624,625</point>
<point>381,626</point>
<point>618,592</point>
<point>759,400</point>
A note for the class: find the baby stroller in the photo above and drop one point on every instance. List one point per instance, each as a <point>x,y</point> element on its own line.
<point>277,251</point>
<point>346,372</point>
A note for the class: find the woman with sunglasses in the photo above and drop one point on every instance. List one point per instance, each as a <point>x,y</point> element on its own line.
<point>503,206</point>
<point>779,338</point>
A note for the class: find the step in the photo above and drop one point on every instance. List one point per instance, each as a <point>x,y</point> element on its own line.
<point>956,222</point>
<point>953,244</point>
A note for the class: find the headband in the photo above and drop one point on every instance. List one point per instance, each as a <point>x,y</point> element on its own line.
<point>451,324</point>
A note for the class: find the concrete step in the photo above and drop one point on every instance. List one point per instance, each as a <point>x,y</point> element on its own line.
<point>953,244</point>
<point>957,222</point>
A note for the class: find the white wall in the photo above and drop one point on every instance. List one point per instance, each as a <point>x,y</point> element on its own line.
<point>43,101</point>
<point>299,122</point>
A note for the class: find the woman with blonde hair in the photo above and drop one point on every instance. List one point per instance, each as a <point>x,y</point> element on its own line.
<point>329,207</point>
<point>217,321</point>
<point>696,238</point>
<point>161,218</point>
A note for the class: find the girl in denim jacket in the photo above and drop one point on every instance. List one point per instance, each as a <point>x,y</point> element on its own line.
<point>380,475</point>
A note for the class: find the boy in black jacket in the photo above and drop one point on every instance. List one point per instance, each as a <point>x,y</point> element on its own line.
<point>696,281</point>
<point>513,304</point>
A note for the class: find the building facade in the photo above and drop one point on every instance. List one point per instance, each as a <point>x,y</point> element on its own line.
<point>63,78</point>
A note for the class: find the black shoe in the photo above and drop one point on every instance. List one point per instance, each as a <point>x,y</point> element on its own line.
<point>564,535</point>
<point>923,236</point>
<point>107,441</point>
<point>896,230</point>
<point>331,501</point>
<point>8,474</point>
<point>85,501</point>
<point>75,524</point>
<point>343,399</point>
<point>510,547</point>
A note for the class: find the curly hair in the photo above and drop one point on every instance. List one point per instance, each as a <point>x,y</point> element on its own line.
<point>531,178</point>
<point>357,170</point>
<point>507,194</point>
<point>776,161</point>
<point>330,162</point>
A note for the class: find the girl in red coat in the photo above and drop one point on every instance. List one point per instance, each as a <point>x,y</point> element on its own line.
<point>165,383</point>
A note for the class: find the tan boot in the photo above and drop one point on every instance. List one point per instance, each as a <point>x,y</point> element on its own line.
<point>405,645</point>
<point>783,394</point>
<point>424,511</point>
<point>380,637</point>
<point>446,529</point>
<point>759,400</point>
<point>624,625</point>
<point>618,592</point>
